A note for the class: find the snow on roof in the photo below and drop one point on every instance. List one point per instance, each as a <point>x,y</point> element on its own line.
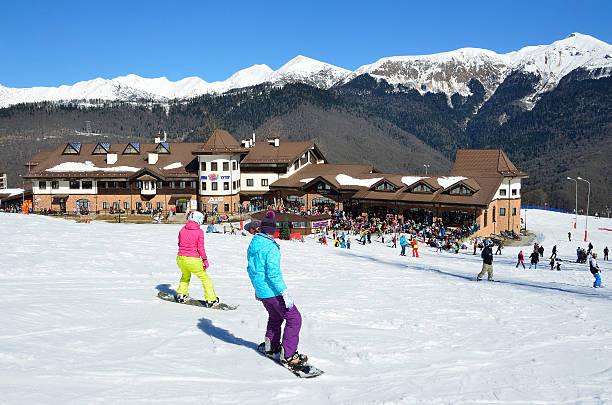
<point>11,191</point>
<point>308,180</point>
<point>410,180</point>
<point>449,181</point>
<point>88,166</point>
<point>345,180</point>
<point>176,165</point>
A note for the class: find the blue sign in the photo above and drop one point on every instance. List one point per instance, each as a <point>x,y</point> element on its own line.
<point>225,177</point>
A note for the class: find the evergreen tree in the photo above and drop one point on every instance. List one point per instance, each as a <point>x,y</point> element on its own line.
<point>285,234</point>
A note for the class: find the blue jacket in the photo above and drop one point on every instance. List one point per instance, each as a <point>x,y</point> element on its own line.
<point>263,258</point>
<point>403,241</point>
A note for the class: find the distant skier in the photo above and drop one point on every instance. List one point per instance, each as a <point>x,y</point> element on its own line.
<point>569,236</point>
<point>403,243</point>
<point>499,248</point>
<point>606,251</point>
<point>535,258</point>
<point>554,252</point>
<point>415,247</point>
<point>541,251</point>
<point>487,261</point>
<point>263,257</point>
<point>595,270</point>
<point>521,259</point>
<point>192,258</point>
<point>590,250</point>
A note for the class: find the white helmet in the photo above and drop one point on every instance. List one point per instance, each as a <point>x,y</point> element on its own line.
<point>196,216</point>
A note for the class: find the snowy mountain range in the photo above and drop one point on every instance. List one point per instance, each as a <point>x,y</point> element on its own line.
<point>447,72</point>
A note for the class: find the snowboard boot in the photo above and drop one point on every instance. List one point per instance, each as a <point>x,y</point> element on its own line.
<point>182,298</point>
<point>296,360</point>
<point>266,348</point>
<point>212,304</point>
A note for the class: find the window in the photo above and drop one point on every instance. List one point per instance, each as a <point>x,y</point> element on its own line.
<point>55,185</point>
<point>226,166</point>
<point>502,192</point>
<point>101,149</point>
<point>75,184</point>
<point>233,185</point>
<point>115,184</point>
<point>226,185</point>
<point>204,186</point>
<point>139,206</point>
<point>421,188</point>
<point>226,207</point>
<point>514,191</point>
<point>126,205</point>
<point>513,212</point>
<point>193,184</point>
<point>234,165</point>
<point>264,182</point>
<point>105,205</point>
<point>249,182</point>
<point>160,184</point>
<point>182,184</point>
<point>463,190</point>
<point>213,185</point>
<point>102,184</point>
<point>213,166</point>
<point>42,185</point>
<point>203,166</point>
<point>115,205</point>
<point>163,147</point>
<point>486,217</point>
<point>133,148</point>
<point>139,185</point>
<point>86,185</point>
<point>126,184</point>
<point>493,217</point>
<point>172,184</point>
<point>502,212</point>
<point>203,207</point>
<point>384,186</point>
<point>149,205</point>
<point>160,205</point>
<point>72,149</point>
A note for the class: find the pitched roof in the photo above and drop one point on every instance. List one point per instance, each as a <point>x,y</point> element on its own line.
<point>284,153</point>
<point>180,163</point>
<point>326,171</point>
<point>484,162</point>
<point>220,142</point>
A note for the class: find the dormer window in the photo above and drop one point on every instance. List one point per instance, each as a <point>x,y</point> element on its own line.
<point>133,148</point>
<point>73,148</point>
<point>101,149</point>
<point>422,188</point>
<point>384,186</point>
<point>460,190</point>
<point>163,147</point>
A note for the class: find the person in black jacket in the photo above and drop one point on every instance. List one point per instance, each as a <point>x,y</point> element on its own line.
<point>535,258</point>
<point>487,261</point>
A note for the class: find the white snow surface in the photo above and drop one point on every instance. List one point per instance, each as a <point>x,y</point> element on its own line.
<point>446,182</point>
<point>175,165</point>
<point>89,166</point>
<point>346,180</point>
<point>81,322</point>
<point>446,72</point>
<point>410,180</point>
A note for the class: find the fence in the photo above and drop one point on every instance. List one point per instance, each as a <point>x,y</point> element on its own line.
<point>535,207</point>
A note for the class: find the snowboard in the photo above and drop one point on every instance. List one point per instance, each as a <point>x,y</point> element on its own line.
<point>305,371</point>
<point>196,303</point>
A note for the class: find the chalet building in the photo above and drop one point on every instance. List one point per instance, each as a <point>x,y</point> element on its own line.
<point>223,175</point>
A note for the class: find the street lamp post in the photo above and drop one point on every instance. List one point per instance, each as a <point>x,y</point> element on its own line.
<point>586,221</point>
<point>576,209</point>
<point>426,167</point>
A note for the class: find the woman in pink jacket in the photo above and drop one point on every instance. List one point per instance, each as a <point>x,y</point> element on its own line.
<point>192,259</point>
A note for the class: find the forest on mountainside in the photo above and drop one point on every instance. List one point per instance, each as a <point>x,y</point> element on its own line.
<point>566,133</point>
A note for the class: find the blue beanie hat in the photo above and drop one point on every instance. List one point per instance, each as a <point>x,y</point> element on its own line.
<point>268,224</point>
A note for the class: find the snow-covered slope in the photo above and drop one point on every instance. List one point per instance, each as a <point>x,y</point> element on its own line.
<point>81,323</point>
<point>447,72</point>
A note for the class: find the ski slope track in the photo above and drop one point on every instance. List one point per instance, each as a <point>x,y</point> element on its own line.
<point>81,323</point>
<point>447,72</point>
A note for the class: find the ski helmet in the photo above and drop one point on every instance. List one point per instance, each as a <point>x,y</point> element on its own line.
<point>197,217</point>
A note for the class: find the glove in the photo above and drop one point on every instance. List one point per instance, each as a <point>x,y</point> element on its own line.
<point>288,299</point>
<point>256,297</point>
<point>205,263</point>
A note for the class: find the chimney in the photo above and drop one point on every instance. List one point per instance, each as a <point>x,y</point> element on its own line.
<point>157,139</point>
<point>111,158</point>
<point>153,158</point>
<point>276,142</point>
<point>165,136</point>
<point>253,137</point>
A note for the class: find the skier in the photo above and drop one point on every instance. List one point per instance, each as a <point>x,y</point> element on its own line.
<point>475,246</point>
<point>263,257</point>
<point>487,261</point>
<point>535,258</point>
<point>569,236</point>
<point>499,248</point>
<point>554,252</point>
<point>541,251</point>
<point>590,249</point>
<point>521,259</point>
<point>415,247</point>
<point>192,258</point>
<point>403,243</point>
<point>606,251</point>
<point>595,270</point>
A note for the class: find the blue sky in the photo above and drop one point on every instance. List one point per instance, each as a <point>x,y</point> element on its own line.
<point>45,43</point>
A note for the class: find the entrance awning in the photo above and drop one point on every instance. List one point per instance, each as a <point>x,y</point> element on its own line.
<point>179,198</point>
<point>60,198</point>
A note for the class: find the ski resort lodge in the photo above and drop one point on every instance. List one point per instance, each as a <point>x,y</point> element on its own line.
<point>225,176</point>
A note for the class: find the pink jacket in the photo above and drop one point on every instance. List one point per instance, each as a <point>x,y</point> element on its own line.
<point>191,241</point>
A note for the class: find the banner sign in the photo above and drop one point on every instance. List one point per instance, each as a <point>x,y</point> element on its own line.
<point>213,176</point>
<point>215,200</point>
<point>320,224</point>
<point>194,205</point>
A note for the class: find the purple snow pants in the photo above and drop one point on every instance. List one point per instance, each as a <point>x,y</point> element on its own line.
<point>277,313</point>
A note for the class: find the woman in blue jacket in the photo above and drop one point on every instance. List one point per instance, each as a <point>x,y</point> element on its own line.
<point>263,258</point>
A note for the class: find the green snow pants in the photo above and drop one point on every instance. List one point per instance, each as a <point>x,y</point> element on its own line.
<point>194,265</point>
